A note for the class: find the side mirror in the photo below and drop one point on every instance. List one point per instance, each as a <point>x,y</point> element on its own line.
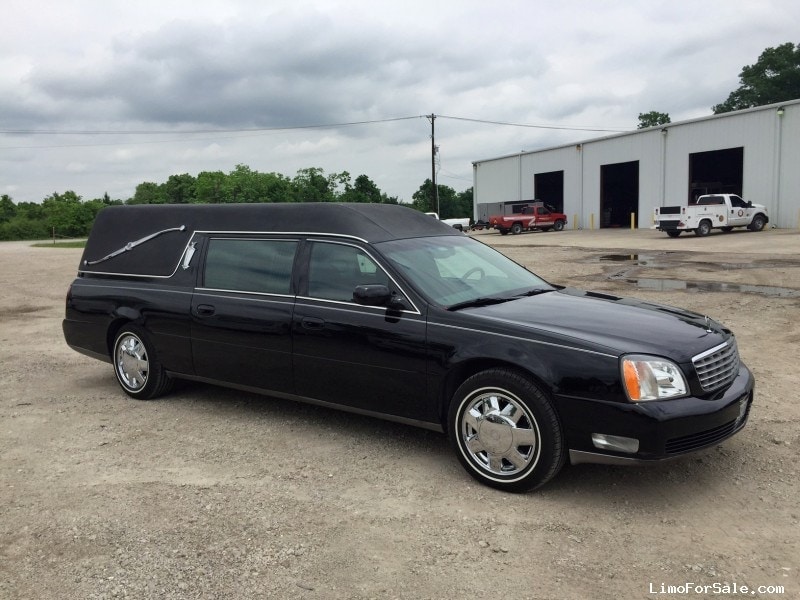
<point>372,295</point>
<point>749,204</point>
<point>377,295</point>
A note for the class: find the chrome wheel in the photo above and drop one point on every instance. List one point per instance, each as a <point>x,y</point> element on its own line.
<point>131,362</point>
<point>500,435</point>
<point>505,430</point>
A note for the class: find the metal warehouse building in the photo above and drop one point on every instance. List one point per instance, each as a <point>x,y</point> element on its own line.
<point>602,182</point>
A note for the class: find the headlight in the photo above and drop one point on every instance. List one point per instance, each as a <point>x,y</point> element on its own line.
<point>652,378</point>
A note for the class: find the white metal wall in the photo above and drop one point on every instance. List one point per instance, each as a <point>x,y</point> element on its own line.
<point>787,209</point>
<point>771,170</point>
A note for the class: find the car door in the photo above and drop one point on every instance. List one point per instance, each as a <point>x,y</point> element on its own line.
<point>544,218</point>
<point>242,312</point>
<point>369,358</point>
<point>739,214</point>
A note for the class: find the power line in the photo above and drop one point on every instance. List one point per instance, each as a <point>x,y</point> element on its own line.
<point>253,131</point>
<point>197,131</point>
<point>484,121</point>
<point>289,128</point>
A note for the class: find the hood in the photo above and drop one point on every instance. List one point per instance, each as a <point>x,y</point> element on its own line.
<point>607,323</point>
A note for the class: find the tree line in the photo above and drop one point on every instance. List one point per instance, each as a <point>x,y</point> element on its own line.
<point>68,215</point>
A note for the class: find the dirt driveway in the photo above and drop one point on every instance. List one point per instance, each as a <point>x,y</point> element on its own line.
<point>211,493</point>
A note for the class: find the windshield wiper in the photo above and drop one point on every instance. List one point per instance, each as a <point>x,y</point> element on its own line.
<point>482,301</point>
<point>534,292</point>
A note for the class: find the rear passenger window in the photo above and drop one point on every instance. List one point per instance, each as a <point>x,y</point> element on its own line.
<point>263,266</point>
<point>335,270</point>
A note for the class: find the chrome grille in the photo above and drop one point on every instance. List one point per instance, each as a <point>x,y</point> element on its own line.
<point>717,367</point>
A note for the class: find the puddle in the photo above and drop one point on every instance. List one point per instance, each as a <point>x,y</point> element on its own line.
<point>664,285</point>
<point>619,257</point>
<point>665,259</point>
<point>644,260</point>
<point>632,261</point>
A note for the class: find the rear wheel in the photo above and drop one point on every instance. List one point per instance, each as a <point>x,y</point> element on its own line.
<point>136,366</point>
<point>673,232</point>
<point>503,231</point>
<point>516,228</point>
<point>505,431</point>
<point>704,228</point>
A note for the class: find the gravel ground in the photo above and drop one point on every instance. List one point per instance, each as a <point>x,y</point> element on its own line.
<point>212,493</point>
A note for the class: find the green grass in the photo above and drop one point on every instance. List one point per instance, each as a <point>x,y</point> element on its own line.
<point>73,244</point>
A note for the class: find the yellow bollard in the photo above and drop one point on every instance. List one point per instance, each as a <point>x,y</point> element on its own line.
<point>591,221</point>
<point>575,221</point>
<point>633,221</point>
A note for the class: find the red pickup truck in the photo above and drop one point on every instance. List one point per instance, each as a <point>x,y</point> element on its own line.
<point>533,216</point>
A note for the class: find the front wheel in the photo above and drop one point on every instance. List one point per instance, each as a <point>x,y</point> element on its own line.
<point>558,225</point>
<point>505,431</point>
<point>136,366</point>
<point>758,223</point>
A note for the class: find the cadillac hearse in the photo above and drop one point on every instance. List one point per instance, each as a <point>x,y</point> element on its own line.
<point>383,311</point>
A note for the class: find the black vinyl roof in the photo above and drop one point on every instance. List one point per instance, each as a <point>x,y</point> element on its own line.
<point>117,241</point>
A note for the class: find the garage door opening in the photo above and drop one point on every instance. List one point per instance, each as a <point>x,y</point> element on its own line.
<point>549,188</point>
<point>619,194</point>
<point>716,172</point>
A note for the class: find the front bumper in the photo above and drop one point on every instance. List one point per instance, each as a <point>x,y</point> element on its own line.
<point>665,429</point>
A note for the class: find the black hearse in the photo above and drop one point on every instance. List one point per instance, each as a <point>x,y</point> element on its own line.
<point>383,311</point>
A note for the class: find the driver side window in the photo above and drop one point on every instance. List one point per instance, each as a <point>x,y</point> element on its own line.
<point>335,270</point>
<point>737,202</point>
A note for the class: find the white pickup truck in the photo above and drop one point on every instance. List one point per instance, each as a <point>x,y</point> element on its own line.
<point>722,211</point>
<point>460,224</point>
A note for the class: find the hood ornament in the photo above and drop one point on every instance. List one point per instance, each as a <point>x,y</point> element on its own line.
<point>708,325</point>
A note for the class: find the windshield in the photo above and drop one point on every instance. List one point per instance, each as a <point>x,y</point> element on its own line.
<point>455,270</point>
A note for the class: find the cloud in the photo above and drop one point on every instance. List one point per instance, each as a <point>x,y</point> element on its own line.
<point>194,65</point>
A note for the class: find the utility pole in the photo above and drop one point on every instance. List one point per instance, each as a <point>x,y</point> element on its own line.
<point>432,117</point>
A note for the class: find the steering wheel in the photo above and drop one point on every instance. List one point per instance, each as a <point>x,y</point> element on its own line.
<point>466,275</point>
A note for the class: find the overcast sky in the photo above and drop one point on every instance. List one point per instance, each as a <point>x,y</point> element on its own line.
<point>204,86</point>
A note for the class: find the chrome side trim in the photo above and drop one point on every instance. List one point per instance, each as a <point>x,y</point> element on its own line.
<point>300,233</point>
<point>349,307</point>
<point>257,296</point>
<point>524,339</point>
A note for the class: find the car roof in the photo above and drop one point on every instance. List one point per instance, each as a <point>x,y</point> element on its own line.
<point>173,225</point>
